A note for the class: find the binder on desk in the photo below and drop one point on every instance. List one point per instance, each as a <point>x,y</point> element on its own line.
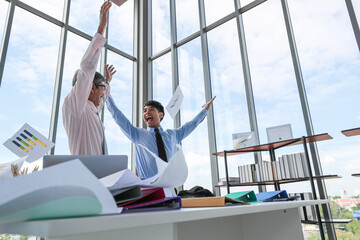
<point>210,202</point>
<point>127,194</point>
<point>245,196</point>
<point>152,199</point>
<point>272,196</point>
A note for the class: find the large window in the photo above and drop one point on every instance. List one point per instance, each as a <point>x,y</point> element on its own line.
<point>3,13</point>
<point>196,145</point>
<point>121,85</point>
<point>162,85</point>
<point>330,64</point>
<point>160,25</point>
<point>121,26</point>
<point>28,82</point>
<point>187,18</point>
<point>53,8</point>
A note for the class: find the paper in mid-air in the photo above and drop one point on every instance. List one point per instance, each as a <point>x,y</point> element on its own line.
<point>175,103</point>
<point>29,142</point>
<point>119,2</point>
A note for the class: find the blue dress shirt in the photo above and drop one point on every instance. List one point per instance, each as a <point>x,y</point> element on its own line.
<point>145,162</point>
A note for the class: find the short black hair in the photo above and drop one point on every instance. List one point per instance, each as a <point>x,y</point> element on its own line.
<point>156,105</point>
<point>98,78</point>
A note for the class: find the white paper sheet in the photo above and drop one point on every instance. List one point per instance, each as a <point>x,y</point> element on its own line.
<point>170,175</point>
<point>175,103</point>
<point>5,168</point>
<point>119,2</point>
<point>33,193</point>
<point>29,142</point>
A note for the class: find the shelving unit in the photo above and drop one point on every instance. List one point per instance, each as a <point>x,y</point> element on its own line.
<point>271,147</point>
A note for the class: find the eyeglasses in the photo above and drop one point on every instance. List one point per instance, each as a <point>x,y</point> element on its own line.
<point>102,85</point>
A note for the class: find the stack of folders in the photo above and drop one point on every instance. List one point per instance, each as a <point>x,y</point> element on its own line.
<point>137,199</point>
<point>288,166</point>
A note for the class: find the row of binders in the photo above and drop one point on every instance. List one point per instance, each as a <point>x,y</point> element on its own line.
<point>289,166</point>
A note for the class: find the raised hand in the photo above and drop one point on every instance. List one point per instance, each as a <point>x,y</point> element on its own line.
<point>103,17</point>
<point>109,72</point>
<point>208,104</point>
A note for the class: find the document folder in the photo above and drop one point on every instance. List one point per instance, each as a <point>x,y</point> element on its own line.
<point>153,199</point>
<point>127,194</point>
<point>272,196</point>
<point>246,196</point>
<point>209,202</point>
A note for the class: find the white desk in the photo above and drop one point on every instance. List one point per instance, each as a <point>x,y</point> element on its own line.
<point>277,220</point>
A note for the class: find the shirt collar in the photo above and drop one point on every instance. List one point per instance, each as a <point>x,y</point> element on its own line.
<point>152,129</point>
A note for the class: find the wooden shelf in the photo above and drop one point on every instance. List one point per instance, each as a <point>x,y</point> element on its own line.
<point>355,174</point>
<point>328,176</point>
<point>233,184</point>
<point>275,145</point>
<point>327,221</point>
<point>351,132</point>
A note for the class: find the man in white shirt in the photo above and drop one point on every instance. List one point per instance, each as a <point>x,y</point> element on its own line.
<point>90,90</point>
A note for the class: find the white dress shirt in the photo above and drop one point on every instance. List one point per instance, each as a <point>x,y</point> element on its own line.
<point>80,116</point>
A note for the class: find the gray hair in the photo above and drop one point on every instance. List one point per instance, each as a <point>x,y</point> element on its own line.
<point>98,78</point>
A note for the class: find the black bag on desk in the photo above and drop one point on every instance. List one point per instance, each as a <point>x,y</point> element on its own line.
<point>196,191</point>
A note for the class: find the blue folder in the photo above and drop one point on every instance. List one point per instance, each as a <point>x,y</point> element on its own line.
<point>272,196</point>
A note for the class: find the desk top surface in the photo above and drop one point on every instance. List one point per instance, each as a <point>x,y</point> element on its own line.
<point>72,226</point>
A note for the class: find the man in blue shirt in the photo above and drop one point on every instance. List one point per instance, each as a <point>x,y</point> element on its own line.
<point>153,114</point>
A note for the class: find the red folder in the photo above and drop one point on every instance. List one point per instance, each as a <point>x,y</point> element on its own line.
<point>153,199</point>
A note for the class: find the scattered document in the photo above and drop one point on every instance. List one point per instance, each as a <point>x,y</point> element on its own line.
<point>279,133</point>
<point>5,168</point>
<point>170,174</point>
<point>175,103</point>
<point>119,2</point>
<point>64,190</point>
<point>29,142</point>
<point>242,140</point>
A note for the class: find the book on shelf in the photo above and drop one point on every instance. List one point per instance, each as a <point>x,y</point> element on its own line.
<point>299,165</point>
<point>232,180</point>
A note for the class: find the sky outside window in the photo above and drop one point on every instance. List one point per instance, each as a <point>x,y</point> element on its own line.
<point>53,8</point>
<point>27,87</point>
<point>227,81</point>
<point>160,25</point>
<point>196,145</point>
<point>120,85</point>
<point>330,64</point>
<point>187,18</point>
<point>3,12</point>
<point>121,27</point>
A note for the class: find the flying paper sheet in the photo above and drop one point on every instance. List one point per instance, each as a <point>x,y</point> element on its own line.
<point>175,103</point>
<point>119,2</point>
<point>5,168</point>
<point>29,142</point>
<point>170,175</point>
<point>64,190</point>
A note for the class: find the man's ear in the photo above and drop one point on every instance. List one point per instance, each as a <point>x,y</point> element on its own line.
<point>93,88</point>
<point>161,115</point>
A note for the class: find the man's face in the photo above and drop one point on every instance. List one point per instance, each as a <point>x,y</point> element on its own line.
<point>152,116</point>
<point>96,94</point>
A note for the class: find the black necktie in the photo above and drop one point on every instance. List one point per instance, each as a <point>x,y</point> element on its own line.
<point>160,145</point>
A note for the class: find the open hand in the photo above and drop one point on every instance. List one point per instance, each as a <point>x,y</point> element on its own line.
<point>109,72</point>
<point>208,104</point>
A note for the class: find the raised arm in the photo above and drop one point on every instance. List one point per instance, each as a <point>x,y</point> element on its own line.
<point>103,17</point>
<point>85,75</point>
<point>190,126</point>
<point>109,73</point>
